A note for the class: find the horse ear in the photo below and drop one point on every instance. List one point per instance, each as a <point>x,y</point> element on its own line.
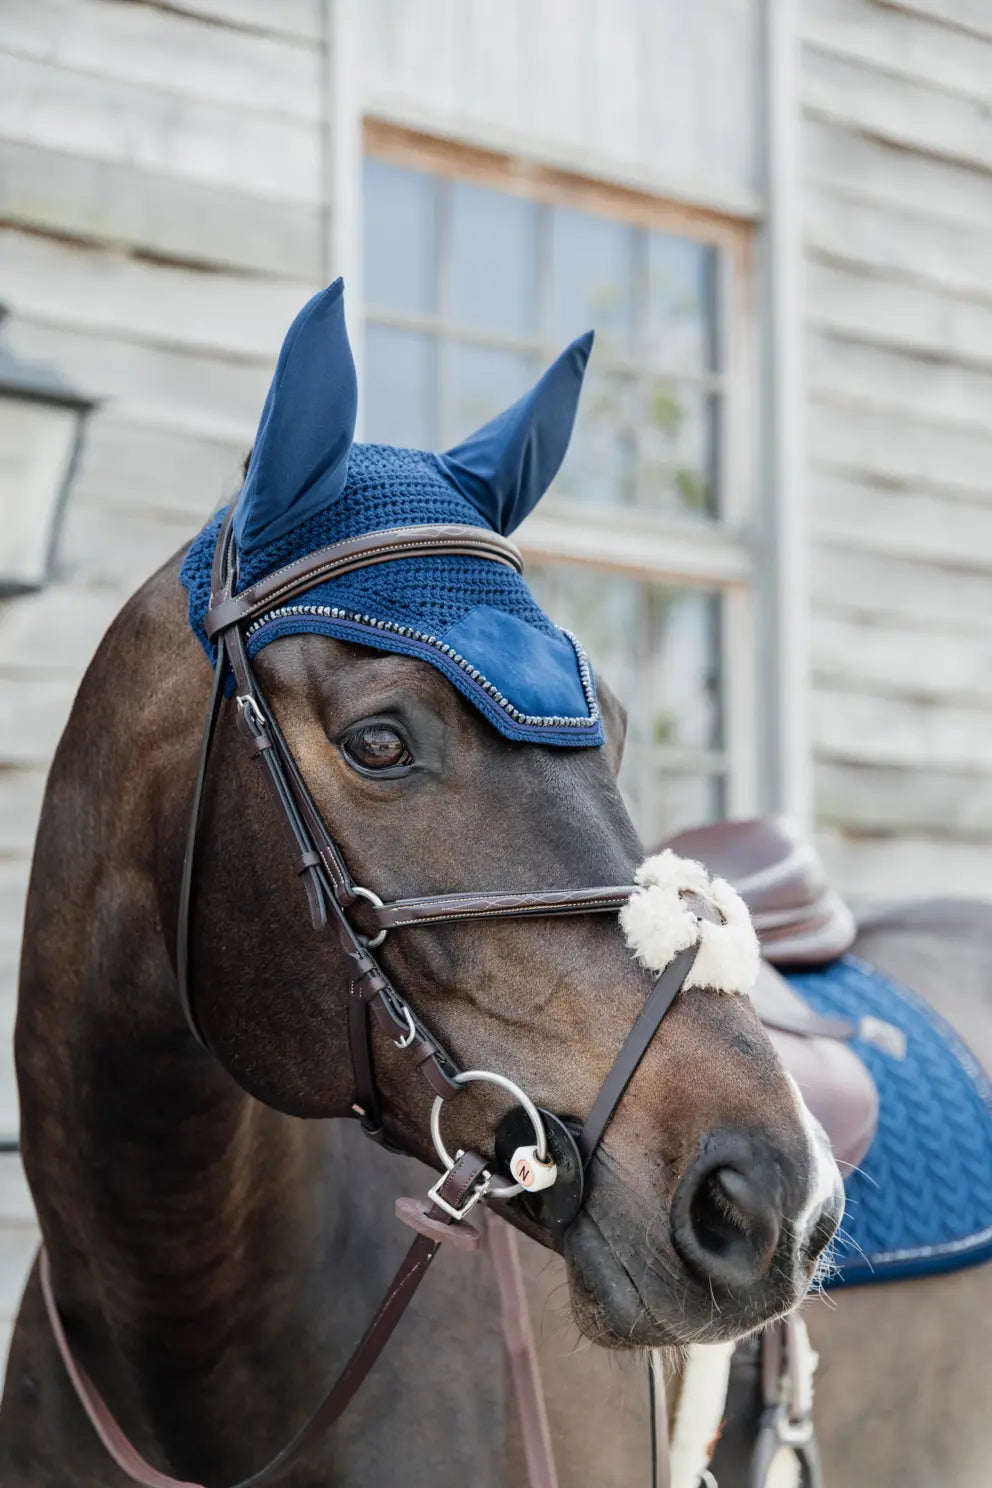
<point>506,466</point>
<point>299,463</point>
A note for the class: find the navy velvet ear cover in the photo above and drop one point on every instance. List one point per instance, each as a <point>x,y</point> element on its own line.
<point>308,484</point>
<point>299,463</point>
<point>506,466</point>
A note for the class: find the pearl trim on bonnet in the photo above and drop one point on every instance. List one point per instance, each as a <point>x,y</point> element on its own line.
<point>657,924</point>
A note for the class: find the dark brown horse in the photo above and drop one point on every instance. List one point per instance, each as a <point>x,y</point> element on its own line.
<point>215,1249</point>
<point>212,1243</point>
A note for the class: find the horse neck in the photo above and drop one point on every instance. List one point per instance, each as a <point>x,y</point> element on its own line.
<point>166,1195</point>
<point>168,1198</point>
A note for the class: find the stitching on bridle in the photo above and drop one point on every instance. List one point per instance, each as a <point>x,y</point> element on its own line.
<point>510,911</point>
<point>396,548</point>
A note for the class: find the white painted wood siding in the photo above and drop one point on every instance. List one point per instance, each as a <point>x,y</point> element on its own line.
<point>162,182</point>
<point>658,94</point>
<point>897,144</point>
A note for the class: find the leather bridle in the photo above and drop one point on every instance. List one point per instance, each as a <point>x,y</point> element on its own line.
<point>331,896</point>
<point>330,890</point>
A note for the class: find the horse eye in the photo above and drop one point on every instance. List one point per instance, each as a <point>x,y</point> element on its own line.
<point>376,747</point>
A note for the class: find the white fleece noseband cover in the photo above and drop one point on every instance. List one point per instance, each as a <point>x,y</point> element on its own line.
<point>658,923</point>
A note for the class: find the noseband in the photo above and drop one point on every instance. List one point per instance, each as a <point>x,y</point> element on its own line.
<point>548,1171</point>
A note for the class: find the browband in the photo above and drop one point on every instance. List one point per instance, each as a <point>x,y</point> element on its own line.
<point>449,539</point>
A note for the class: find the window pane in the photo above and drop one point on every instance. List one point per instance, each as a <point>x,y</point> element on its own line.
<point>601,462</point>
<point>682,320</point>
<point>493,260</point>
<point>656,646</point>
<point>592,278</point>
<point>662,801</point>
<point>482,382</point>
<point>400,388</point>
<point>678,446</point>
<point>400,237</point>
<point>658,649</point>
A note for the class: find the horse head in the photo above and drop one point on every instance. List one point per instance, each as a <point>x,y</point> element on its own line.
<point>468,749</point>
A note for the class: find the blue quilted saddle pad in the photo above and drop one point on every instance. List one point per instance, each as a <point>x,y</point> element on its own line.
<point>921,1201</point>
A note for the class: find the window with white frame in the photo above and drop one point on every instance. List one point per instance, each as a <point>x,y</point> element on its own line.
<point>474,279</point>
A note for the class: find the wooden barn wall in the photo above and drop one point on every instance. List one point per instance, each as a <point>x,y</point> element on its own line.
<point>897,148</point>
<point>663,96</point>
<point>161,219</point>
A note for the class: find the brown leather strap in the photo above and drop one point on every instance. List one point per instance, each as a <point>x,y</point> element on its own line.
<point>252,702</point>
<point>455,1188</point>
<point>262,746</point>
<point>367,1105</point>
<point>518,1336</point>
<point>634,1048</point>
<point>118,1446</point>
<point>449,539</point>
<point>221,572</point>
<point>442,908</point>
<point>398,1021</point>
<point>185,916</point>
<point>786,1418</point>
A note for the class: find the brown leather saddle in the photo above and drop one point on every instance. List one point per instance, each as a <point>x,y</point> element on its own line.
<point>801,923</point>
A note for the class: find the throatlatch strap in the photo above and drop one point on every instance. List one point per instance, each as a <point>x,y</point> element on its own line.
<point>184,922</point>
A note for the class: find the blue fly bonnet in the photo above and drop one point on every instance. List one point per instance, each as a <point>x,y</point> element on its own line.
<point>308,485</point>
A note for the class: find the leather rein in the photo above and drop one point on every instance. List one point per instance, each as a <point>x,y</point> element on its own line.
<point>331,893</point>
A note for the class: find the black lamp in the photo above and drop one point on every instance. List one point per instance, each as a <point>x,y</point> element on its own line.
<point>41,424</point>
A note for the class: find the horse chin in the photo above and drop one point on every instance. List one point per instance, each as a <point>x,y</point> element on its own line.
<point>649,1300</point>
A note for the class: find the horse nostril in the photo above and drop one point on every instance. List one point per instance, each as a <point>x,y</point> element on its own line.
<point>726,1224</point>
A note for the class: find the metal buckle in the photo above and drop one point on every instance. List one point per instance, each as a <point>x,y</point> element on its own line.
<point>789,1432</point>
<point>788,1363</point>
<point>478,1191</point>
<point>247,705</point>
<point>411,1034</point>
<point>376,940</point>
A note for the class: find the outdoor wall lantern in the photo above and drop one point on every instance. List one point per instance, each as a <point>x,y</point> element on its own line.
<point>41,424</point>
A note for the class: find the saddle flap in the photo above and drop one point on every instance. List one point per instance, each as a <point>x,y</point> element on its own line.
<point>835,1084</point>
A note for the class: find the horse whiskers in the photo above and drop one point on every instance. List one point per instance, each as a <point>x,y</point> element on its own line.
<point>845,1234</point>
<point>854,1168</point>
<point>714,1302</point>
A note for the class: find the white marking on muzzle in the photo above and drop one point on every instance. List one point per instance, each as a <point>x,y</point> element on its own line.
<point>658,923</point>
<point>824,1173</point>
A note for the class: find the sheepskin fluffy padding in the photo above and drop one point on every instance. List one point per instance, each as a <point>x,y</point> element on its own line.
<point>658,924</point>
